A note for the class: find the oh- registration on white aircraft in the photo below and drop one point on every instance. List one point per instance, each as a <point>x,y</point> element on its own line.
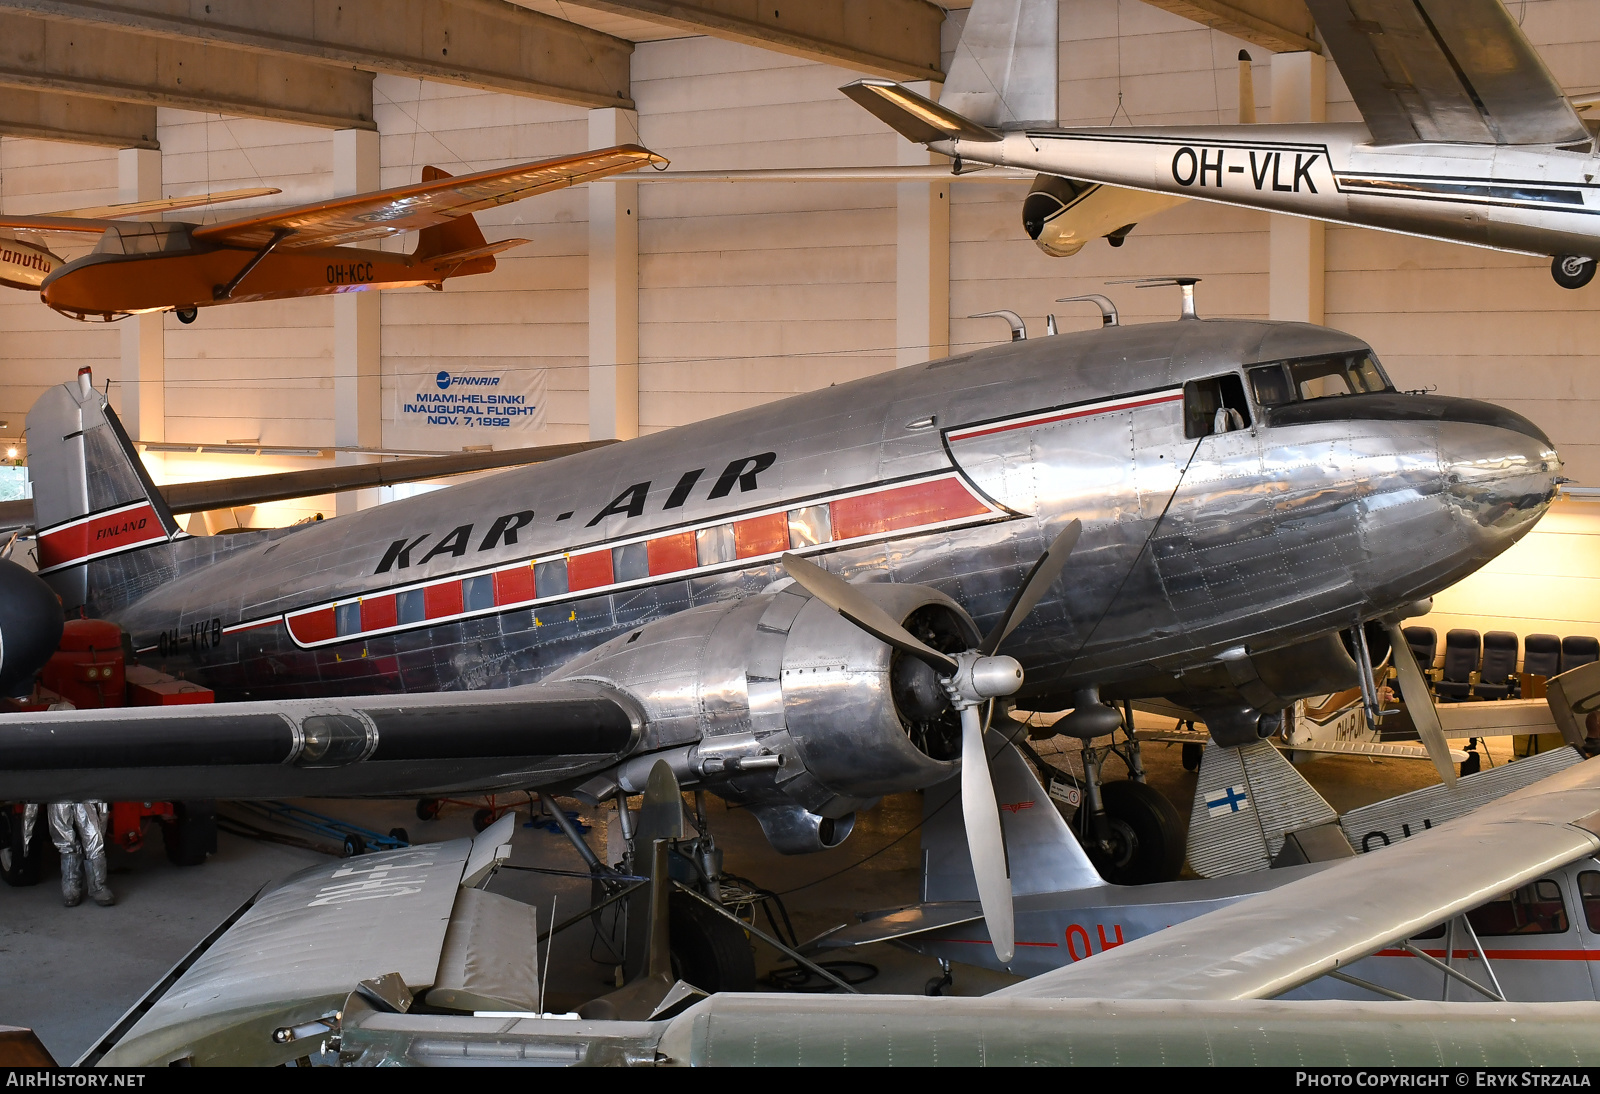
<point>1468,137</point>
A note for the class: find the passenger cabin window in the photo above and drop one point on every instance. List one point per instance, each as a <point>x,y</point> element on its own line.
<point>1216,405</point>
<point>1317,378</point>
<point>1536,908</point>
<point>1589,892</point>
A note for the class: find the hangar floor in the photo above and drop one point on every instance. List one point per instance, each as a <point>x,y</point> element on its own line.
<point>71,973</point>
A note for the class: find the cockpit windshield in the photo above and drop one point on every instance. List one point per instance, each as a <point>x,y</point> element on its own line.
<point>1281,382</point>
<point>144,238</point>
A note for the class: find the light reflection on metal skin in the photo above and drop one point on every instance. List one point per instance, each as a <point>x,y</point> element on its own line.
<point>1271,537</point>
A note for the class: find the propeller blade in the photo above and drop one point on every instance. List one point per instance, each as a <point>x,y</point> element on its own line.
<point>1034,586</point>
<point>982,814</point>
<point>849,602</point>
<point>1419,704</point>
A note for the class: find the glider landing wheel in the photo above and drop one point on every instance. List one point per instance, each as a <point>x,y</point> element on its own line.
<point>20,865</point>
<point>1145,835</point>
<point>186,315</point>
<point>707,950</point>
<point>1572,271</point>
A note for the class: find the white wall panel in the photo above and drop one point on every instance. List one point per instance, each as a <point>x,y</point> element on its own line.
<point>753,291</point>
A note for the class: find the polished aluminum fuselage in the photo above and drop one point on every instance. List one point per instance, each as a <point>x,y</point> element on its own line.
<point>1264,537</point>
<point>1539,200</point>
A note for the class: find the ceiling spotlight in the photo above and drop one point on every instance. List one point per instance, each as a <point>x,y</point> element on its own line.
<point>11,453</point>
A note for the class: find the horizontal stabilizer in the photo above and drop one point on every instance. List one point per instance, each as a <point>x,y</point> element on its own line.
<point>905,923</point>
<point>917,119</point>
<point>477,252</point>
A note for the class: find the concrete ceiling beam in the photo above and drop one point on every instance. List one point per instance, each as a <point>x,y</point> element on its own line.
<point>104,63</point>
<point>894,38</point>
<point>76,119</point>
<point>488,44</point>
<point>1283,26</point>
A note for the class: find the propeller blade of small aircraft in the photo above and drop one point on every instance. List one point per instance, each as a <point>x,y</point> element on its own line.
<point>848,601</point>
<point>1038,582</point>
<point>1419,704</point>
<point>984,841</point>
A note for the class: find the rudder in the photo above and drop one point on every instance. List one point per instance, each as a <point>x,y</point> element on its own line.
<point>103,527</point>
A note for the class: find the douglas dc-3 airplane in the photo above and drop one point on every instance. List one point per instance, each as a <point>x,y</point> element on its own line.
<point>1219,500</point>
<point>172,266</point>
<point>1468,137</point>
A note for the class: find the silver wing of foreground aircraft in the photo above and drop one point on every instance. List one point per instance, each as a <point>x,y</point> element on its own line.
<point>332,958</point>
<point>1467,136</point>
<point>800,607</point>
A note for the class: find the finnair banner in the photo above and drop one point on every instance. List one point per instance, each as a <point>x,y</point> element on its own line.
<point>453,408</point>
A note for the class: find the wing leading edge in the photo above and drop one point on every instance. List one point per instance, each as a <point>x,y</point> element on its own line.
<point>1267,944</point>
<point>1445,70</point>
<point>411,208</point>
<point>368,745</point>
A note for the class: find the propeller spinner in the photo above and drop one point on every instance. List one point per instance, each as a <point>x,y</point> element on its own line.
<point>970,678</point>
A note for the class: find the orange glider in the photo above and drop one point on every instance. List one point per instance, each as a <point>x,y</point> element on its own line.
<point>161,266</point>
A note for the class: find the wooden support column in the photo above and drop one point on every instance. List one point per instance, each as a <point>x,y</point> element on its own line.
<point>1297,256</point>
<point>922,257</point>
<point>357,386</point>
<point>613,288</point>
<point>144,356</point>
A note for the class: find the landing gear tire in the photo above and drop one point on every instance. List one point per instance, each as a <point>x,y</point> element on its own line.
<point>1572,271</point>
<point>428,809</point>
<point>1192,755</point>
<point>482,819</point>
<point>186,315</point>
<point>192,834</point>
<point>707,950</point>
<point>20,865</point>
<point>1145,835</point>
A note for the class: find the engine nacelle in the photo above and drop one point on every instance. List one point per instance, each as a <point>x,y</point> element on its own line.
<point>776,701</point>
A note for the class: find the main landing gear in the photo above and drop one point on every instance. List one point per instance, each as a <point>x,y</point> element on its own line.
<point>1131,832</point>
<point>1572,271</point>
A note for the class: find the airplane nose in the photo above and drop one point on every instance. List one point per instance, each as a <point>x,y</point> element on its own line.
<point>1500,469</point>
<point>30,627</point>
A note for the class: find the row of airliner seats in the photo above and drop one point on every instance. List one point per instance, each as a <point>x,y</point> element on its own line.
<point>1487,668</point>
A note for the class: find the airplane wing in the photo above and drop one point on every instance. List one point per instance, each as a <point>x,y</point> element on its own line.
<point>97,218</point>
<point>194,497</point>
<point>1267,944</point>
<point>1445,70</point>
<point>424,744</point>
<point>931,172</point>
<point>384,213</point>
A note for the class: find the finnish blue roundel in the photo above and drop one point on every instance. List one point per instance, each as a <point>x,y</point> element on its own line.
<point>443,380</point>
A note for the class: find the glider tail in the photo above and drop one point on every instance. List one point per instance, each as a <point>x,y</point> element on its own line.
<point>105,534</point>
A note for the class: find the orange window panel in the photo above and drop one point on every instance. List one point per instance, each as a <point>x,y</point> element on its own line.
<point>670,554</point>
<point>377,612</point>
<point>317,626</point>
<point>442,600</point>
<point>590,571</point>
<point>901,507</point>
<point>761,535</point>
<point>513,586</point>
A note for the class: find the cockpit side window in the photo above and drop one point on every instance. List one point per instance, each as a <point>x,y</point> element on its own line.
<point>142,237</point>
<point>1216,405</point>
<point>1317,378</point>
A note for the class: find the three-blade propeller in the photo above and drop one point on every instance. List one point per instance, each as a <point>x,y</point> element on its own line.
<point>970,678</point>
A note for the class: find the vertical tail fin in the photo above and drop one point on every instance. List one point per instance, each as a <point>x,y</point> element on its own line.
<point>97,513</point>
<point>451,237</point>
<point>1247,802</point>
<point>1004,73</point>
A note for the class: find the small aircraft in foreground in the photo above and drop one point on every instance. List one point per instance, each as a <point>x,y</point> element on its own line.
<point>1468,137</point>
<point>409,957</point>
<point>1191,509</point>
<point>144,266</point>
